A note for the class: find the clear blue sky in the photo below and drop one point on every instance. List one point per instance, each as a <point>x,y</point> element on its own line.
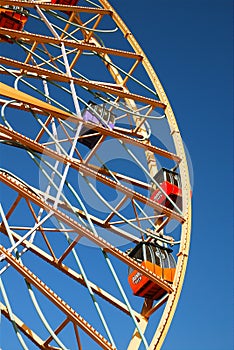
<point>190,45</point>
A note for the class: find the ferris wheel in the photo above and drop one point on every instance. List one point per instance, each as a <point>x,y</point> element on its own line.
<point>95,187</point>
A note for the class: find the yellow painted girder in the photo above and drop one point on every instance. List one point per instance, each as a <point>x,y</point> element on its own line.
<point>25,329</point>
<point>73,316</point>
<point>30,37</point>
<point>17,95</point>
<point>93,85</point>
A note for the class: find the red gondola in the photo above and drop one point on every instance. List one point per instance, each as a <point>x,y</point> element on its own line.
<point>65,2</point>
<point>12,17</point>
<point>90,137</point>
<point>170,183</point>
<point>157,259</point>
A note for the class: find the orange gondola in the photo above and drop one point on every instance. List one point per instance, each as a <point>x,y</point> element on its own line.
<point>157,259</point>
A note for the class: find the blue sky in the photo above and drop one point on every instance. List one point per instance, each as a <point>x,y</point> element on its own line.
<point>190,45</point>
